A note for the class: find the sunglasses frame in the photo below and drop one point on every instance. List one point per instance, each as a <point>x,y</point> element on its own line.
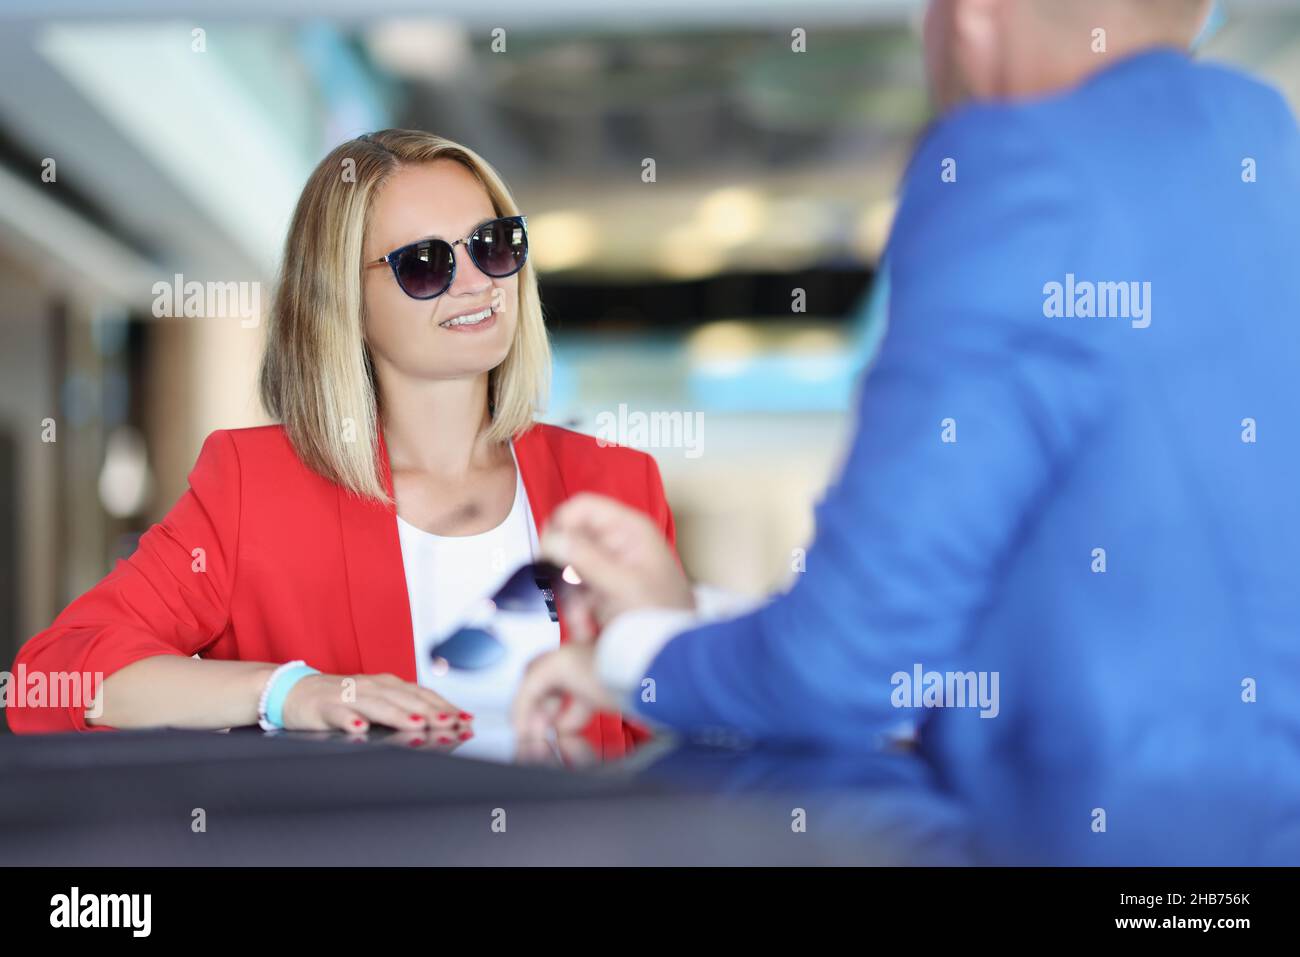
<point>392,258</point>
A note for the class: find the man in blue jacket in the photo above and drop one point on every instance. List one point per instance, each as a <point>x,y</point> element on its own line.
<point>1066,534</point>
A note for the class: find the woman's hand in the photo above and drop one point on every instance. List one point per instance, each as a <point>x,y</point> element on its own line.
<point>353,703</point>
<point>440,742</point>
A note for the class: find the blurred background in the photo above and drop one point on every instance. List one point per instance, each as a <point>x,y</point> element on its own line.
<point>148,140</point>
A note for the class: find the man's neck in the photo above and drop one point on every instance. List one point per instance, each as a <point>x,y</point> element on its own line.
<point>1045,76</point>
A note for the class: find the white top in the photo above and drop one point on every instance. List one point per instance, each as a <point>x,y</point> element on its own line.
<point>447,579</point>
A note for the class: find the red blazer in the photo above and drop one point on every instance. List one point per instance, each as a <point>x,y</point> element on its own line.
<point>296,567</point>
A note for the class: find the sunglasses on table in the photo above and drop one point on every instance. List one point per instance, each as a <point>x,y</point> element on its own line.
<point>425,269</point>
<point>476,645</point>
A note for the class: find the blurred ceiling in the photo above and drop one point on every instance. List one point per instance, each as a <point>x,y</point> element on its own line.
<point>766,159</point>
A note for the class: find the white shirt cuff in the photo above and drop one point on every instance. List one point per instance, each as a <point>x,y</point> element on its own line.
<point>712,603</point>
<point>630,642</point>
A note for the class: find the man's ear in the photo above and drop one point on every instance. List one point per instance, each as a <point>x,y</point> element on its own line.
<point>978,35</point>
<point>1209,18</point>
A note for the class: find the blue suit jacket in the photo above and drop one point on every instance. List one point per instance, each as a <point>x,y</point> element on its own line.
<point>1072,435</point>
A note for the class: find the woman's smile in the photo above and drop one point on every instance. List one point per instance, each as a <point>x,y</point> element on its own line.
<point>478,321</point>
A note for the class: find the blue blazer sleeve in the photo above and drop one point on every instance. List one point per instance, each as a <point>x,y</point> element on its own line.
<point>910,535</point>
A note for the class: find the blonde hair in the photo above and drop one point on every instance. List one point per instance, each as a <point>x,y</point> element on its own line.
<point>317,376</point>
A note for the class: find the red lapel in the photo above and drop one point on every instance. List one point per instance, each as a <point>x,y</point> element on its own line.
<point>372,553</point>
<point>543,480</point>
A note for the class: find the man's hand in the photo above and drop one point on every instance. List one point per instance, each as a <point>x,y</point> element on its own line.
<point>574,751</point>
<point>621,556</point>
<point>568,673</point>
<point>624,563</point>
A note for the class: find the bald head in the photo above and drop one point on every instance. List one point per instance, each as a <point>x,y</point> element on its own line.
<point>999,49</point>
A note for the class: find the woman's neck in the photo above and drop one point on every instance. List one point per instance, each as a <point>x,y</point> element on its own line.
<point>438,427</point>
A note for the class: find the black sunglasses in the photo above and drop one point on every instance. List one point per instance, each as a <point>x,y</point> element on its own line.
<point>530,588</point>
<point>425,269</point>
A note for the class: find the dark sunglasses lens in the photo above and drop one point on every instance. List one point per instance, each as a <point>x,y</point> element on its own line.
<point>470,648</point>
<point>424,270</point>
<point>521,592</point>
<point>500,247</point>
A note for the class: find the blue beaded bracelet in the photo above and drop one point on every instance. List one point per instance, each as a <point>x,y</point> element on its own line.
<point>270,712</point>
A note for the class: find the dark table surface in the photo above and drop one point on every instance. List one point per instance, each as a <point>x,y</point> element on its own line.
<point>129,798</point>
<point>133,798</point>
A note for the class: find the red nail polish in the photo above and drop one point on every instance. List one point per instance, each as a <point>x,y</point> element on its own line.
<point>416,717</point>
<point>442,717</point>
<point>443,739</point>
<point>358,723</point>
<point>466,735</point>
<point>466,716</point>
<point>416,742</point>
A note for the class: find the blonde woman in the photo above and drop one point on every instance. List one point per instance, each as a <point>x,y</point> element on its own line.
<point>301,578</point>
